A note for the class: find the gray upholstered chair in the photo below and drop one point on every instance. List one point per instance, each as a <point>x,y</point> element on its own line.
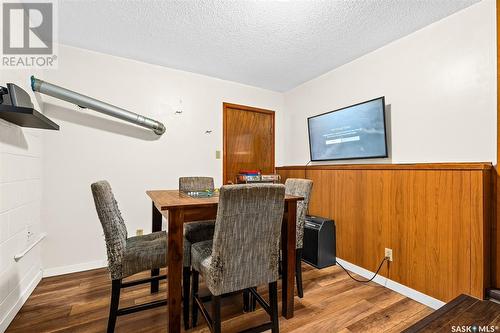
<point>126,255</point>
<point>302,188</point>
<point>244,251</point>
<point>193,232</point>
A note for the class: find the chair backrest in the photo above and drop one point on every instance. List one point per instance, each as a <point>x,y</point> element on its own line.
<point>187,184</point>
<point>115,231</point>
<point>302,188</point>
<point>247,234</point>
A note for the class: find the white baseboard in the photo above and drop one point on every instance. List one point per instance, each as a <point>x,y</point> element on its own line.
<point>397,287</point>
<point>24,294</point>
<point>54,271</point>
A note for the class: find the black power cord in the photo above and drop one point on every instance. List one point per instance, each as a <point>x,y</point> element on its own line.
<point>363,281</point>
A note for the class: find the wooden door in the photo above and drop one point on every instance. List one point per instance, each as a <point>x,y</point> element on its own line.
<point>248,140</point>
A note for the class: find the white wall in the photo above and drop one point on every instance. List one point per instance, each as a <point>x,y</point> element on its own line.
<point>20,191</point>
<point>90,147</point>
<point>440,83</point>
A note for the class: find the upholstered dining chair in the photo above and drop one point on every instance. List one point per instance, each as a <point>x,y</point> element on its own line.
<point>193,232</point>
<point>301,188</point>
<point>244,251</point>
<point>126,255</point>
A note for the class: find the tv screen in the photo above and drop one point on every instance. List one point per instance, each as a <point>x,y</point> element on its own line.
<point>356,131</point>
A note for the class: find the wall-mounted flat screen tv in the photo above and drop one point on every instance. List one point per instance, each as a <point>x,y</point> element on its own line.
<point>356,131</point>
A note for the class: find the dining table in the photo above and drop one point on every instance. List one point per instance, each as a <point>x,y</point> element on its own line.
<point>178,208</point>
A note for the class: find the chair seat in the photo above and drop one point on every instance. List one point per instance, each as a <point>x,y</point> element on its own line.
<point>201,256</point>
<point>199,231</point>
<point>144,253</point>
<point>195,232</point>
<point>146,238</point>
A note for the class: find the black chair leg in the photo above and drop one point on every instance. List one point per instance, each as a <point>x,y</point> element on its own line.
<point>216,314</point>
<point>253,302</point>
<point>155,285</point>
<point>246,300</point>
<point>249,301</point>
<point>194,289</point>
<point>273,303</point>
<point>115,302</point>
<point>298,272</point>
<point>186,275</point>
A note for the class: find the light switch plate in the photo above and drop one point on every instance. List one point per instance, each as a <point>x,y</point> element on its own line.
<point>217,154</point>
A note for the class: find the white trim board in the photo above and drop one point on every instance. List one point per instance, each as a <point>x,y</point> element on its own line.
<point>86,266</point>
<point>24,294</point>
<point>397,287</point>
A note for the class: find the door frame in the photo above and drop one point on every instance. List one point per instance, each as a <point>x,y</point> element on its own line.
<point>225,107</point>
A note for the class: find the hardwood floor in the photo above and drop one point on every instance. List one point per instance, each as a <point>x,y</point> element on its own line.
<point>463,311</point>
<point>332,303</point>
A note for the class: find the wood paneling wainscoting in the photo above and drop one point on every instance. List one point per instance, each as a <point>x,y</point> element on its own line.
<point>435,218</point>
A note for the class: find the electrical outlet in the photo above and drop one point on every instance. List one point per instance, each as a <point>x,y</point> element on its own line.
<point>388,254</point>
<point>139,232</point>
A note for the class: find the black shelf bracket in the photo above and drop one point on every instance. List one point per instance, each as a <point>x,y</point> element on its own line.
<point>26,117</point>
<point>16,108</point>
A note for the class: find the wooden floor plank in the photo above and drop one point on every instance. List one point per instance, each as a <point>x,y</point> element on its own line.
<point>481,313</point>
<point>403,325</point>
<point>464,313</point>
<point>387,318</point>
<point>333,302</point>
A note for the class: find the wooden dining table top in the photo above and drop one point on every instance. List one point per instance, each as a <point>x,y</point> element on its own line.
<point>170,199</point>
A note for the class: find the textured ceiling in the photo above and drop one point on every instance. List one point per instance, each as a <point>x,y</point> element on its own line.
<point>270,44</point>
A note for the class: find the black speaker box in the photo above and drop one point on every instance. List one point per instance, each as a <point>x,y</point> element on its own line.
<point>319,242</point>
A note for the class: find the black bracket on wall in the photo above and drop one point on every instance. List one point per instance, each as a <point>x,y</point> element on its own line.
<point>16,108</point>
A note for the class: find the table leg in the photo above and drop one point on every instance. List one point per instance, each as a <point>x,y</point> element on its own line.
<point>174,262</point>
<point>156,226</point>
<point>288,243</point>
